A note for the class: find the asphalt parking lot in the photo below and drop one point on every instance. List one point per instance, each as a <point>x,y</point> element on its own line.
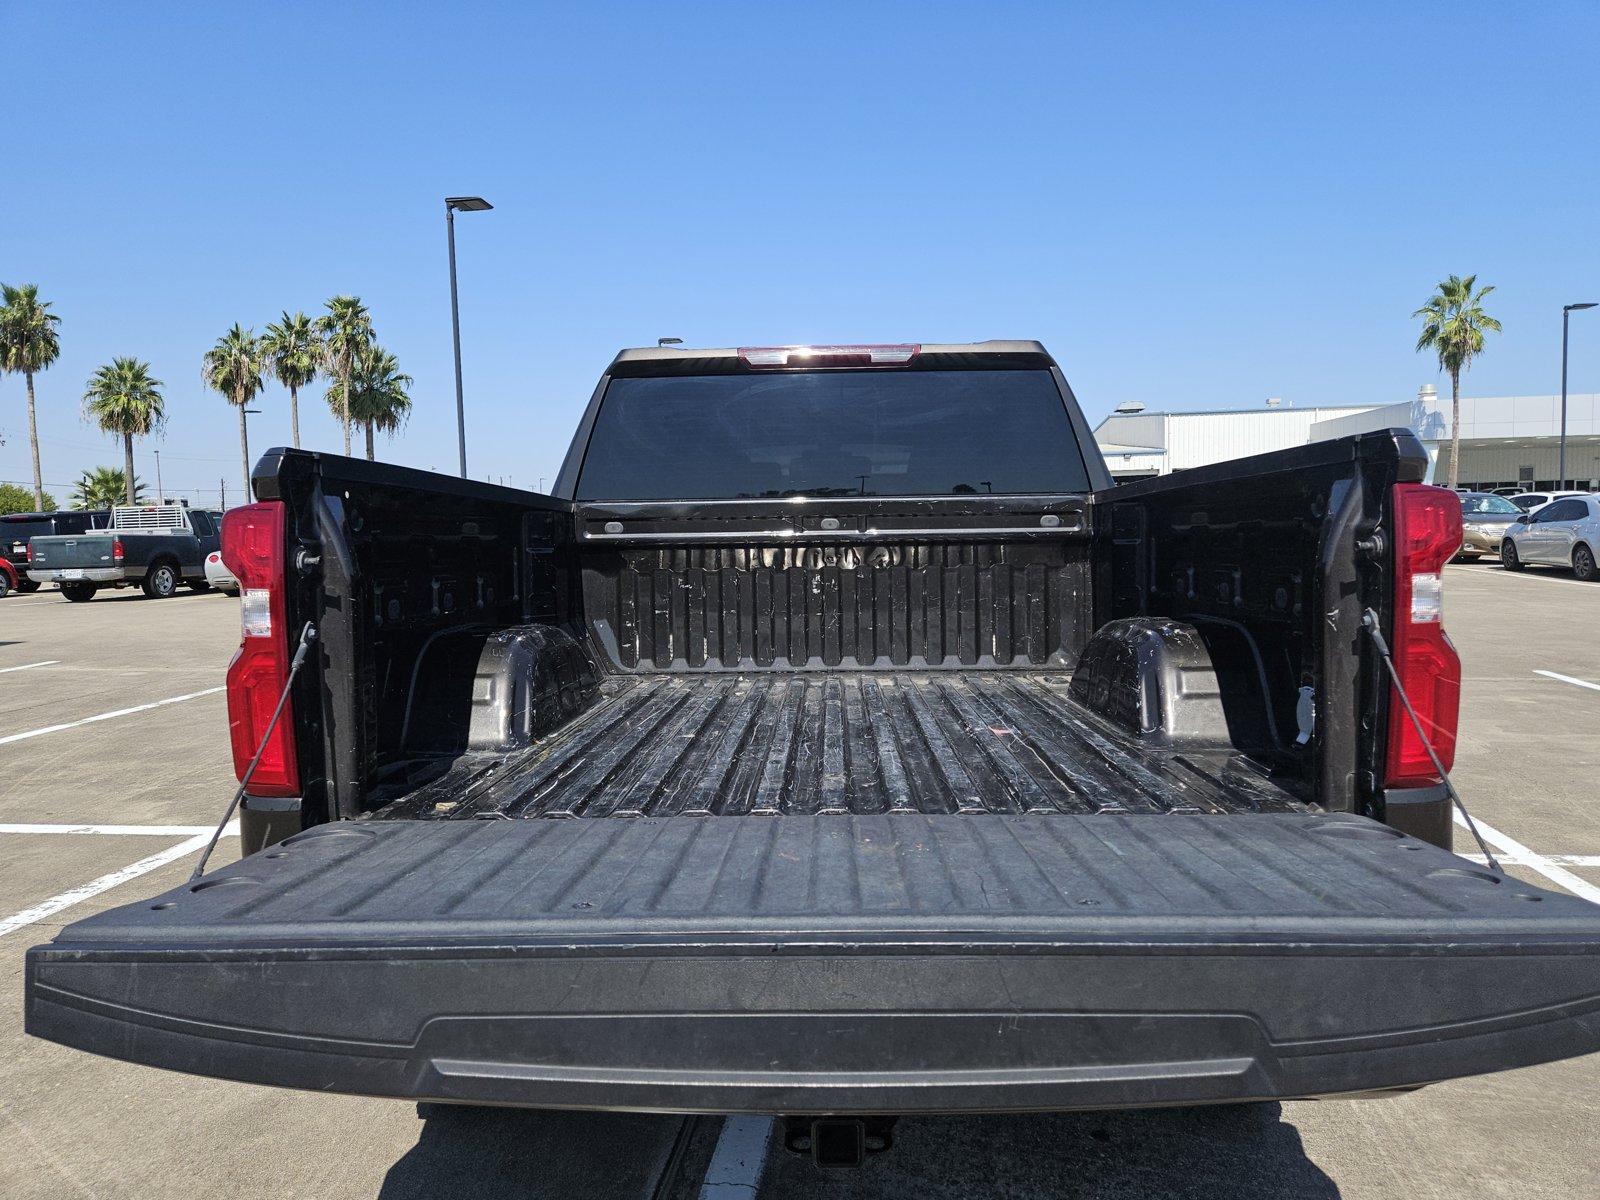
<point>114,760</point>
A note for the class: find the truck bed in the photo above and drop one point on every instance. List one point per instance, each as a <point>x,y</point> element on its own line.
<point>843,743</point>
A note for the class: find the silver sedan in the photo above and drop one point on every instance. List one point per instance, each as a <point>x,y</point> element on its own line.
<point>1563,533</point>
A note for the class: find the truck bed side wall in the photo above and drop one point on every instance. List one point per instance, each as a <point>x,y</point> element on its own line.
<point>1260,555</point>
<point>407,559</point>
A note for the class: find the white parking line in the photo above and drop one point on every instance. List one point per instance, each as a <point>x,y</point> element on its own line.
<point>1537,862</point>
<point>1583,683</point>
<point>49,662</point>
<point>1536,575</point>
<point>121,712</point>
<point>232,829</point>
<point>104,884</point>
<point>734,1172</point>
<point>1560,860</point>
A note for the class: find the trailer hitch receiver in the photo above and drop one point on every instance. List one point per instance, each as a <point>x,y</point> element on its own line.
<point>838,1141</point>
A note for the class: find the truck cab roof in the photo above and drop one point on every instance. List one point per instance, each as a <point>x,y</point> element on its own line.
<point>671,360</point>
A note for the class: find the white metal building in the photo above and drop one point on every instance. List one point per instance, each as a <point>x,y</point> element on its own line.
<point>1138,443</point>
<point>1506,441</point>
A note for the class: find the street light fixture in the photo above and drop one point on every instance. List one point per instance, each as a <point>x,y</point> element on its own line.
<point>1561,460</point>
<point>453,205</point>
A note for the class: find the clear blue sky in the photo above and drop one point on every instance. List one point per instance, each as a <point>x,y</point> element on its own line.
<point>1191,208</point>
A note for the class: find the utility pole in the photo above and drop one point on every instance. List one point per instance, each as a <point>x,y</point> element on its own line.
<point>160,495</point>
<point>452,204</point>
<point>223,498</point>
<point>1566,314</point>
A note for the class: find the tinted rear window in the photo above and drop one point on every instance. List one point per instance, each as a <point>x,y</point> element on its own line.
<point>831,433</point>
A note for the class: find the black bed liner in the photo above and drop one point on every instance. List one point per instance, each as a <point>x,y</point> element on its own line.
<point>848,742</point>
<point>897,962</point>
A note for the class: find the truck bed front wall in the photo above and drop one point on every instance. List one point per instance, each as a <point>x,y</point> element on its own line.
<point>960,582</point>
<point>828,964</point>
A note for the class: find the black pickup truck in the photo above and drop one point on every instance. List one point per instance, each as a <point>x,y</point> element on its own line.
<point>18,529</point>
<point>835,739</point>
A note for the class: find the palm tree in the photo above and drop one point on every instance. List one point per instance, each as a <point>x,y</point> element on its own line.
<point>105,486</point>
<point>380,395</point>
<point>1453,325</point>
<point>28,344</point>
<point>233,367</point>
<point>122,398</point>
<point>293,351</point>
<point>346,330</point>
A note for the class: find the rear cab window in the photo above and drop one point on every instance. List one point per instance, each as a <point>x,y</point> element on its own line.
<point>784,434</point>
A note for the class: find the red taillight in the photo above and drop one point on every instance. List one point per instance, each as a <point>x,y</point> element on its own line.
<point>28,550</point>
<point>1427,534</point>
<point>117,553</point>
<point>253,550</point>
<point>772,357</point>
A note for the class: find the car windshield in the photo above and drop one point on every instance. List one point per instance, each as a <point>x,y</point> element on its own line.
<point>1474,506</point>
<point>831,433</point>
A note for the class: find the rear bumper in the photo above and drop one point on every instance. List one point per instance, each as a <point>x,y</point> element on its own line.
<point>900,963</point>
<point>81,575</point>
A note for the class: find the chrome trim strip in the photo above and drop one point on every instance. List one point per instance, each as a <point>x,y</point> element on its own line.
<point>825,534</point>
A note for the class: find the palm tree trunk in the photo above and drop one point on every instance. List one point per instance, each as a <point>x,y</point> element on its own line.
<point>127,467</point>
<point>33,442</point>
<point>1455,428</point>
<point>368,424</point>
<point>244,451</point>
<point>344,414</point>
<point>294,415</point>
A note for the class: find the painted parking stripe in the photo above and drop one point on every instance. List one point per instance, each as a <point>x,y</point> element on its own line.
<point>1583,683</point>
<point>1558,875</point>
<point>1560,860</point>
<point>1542,577</point>
<point>232,830</point>
<point>104,884</point>
<point>107,716</point>
<point>49,662</point>
<point>734,1172</point>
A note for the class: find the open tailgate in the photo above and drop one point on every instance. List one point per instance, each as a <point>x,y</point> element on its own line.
<point>901,962</point>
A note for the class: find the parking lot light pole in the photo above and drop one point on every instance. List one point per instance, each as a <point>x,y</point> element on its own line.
<point>452,205</point>
<point>1561,460</point>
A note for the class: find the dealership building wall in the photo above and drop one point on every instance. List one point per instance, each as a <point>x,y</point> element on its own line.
<point>1506,441</point>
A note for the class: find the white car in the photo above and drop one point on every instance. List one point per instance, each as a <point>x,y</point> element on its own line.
<point>1528,501</point>
<point>218,575</point>
<point>1563,533</point>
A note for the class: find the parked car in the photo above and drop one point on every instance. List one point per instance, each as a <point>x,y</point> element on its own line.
<point>156,547</point>
<point>1484,520</point>
<point>8,578</point>
<point>1528,501</point>
<point>1563,533</point>
<point>838,740</point>
<point>218,575</point>
<point>17,529</point>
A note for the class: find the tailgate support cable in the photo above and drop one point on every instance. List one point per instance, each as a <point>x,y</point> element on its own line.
<point>1369,622</point>
<point>308,635</point>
